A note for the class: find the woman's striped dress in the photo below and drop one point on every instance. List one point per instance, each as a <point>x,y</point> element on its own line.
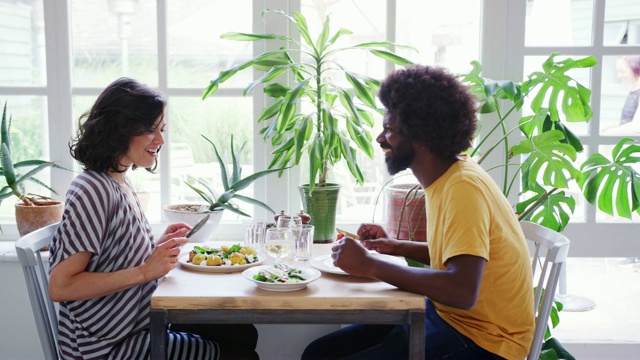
<point>99,218</point>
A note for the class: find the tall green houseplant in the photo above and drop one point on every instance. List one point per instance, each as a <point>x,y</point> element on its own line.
<point>339,119</point>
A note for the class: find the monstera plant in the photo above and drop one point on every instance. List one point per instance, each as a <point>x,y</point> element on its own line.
<point>545,161</point>
<point>313,113</point>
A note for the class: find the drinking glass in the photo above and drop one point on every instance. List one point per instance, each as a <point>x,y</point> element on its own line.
<point>302,244</point>
<point>292,222</point>
<point>254,233</point>
<point>278,243</point>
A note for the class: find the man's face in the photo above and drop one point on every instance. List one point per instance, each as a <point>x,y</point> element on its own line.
<point>397,149</point>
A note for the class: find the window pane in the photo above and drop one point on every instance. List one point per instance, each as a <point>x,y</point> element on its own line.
<point>29,135</point>
<point>559,22</point>
<point>444,33</point>
<point>620,95</point>
<point>22,48</point>
<point>111,39</point>
<point>192,157</point>
<point>622,22</point>
<point>196,52</point>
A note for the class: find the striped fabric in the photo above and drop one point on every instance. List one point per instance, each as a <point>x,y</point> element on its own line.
<point>99,218</point>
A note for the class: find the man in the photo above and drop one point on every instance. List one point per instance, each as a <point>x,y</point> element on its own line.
<point>479,284</point>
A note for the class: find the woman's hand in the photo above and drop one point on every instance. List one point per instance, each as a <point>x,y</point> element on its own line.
<point>163,258</point>
<point>173,231</point>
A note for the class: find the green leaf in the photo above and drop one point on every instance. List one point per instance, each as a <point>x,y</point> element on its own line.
<point>223,167</point>
<point>605,180</point>
<point>321,41</point>
<point>363,92</point>
<point>301,23</point>
<point>271,110</point>
<point>227,74</point>
<point>553,212</point>
<point>237,36</point>
<point>555,87</point>
<point>253,201</point>
<point>270,75</point>
<point>389,56</point>
<point>337,35</point>
<point>7,165</point>
<point>548,154</point>
<point>276,90</point>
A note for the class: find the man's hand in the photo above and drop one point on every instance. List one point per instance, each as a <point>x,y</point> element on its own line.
<point>351,257</point>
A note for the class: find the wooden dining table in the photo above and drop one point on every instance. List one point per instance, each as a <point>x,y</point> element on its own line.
<point>188,296</point>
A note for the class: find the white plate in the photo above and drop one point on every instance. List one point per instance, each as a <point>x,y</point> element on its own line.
<point>325,262</point>
<point>309,273</point>
<point>184,262</point>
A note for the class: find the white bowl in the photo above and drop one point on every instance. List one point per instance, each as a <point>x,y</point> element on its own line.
<point>172,215</point>
<point>310,273</point>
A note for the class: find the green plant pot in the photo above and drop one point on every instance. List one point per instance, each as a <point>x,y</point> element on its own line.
<point>321,205</point>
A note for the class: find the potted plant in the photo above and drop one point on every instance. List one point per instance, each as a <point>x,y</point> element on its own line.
<point>549,149</point>
<point>216,203</point>
<point>336,122</point>
<point>32,211</point>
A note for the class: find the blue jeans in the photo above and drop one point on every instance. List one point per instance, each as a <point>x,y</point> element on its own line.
<point>369,342</point>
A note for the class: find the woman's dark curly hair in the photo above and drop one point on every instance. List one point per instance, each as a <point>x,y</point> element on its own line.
<point>124,109</point>
<point>431,107</point>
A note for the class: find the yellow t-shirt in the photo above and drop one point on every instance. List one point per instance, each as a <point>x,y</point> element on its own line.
<point>468,214</point>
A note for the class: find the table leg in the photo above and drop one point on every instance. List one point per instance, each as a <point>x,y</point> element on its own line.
<point>159,335</point>
<point>416,335</point>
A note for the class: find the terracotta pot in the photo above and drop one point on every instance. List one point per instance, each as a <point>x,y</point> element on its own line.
<point>30,218</point>
<point>412,223</point>
<point>190,214</point>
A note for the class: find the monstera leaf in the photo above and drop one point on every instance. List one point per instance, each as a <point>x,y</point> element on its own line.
<point>550,209</point>
<point>549,156</point>
<point>604,180</point>
<point>488,91</point>
<point>554,87</point>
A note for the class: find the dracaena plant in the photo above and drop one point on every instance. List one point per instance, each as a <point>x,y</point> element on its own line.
<point>544,162</point>
<point>339,119</point>
<point>13,174</point>
<point>232,183</point>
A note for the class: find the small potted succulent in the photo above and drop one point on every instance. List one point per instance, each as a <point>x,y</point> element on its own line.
<point>214,202</point>
<point>32,211</point>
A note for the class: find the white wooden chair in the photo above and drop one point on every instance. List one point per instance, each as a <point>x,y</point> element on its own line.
<point>550,250</point>
<point>36,275</point>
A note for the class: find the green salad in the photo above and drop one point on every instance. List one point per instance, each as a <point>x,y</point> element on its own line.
<point>280,274</point>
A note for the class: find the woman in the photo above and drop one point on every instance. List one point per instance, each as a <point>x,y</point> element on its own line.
<point>104,263</point>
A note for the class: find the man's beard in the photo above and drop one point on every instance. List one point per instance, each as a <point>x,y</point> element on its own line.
<point>399,159</point>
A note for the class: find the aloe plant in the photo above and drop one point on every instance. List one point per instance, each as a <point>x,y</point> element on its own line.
<point>550,148</point>
<point>339,121</point>
<point>232,183</point>
<point>12,171</point>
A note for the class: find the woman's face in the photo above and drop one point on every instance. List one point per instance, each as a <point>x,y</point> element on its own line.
<point>143,149</point>
<point>625,73</point>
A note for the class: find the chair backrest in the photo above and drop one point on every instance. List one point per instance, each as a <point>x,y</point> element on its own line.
<point>36,276</point>
<point>550,250</point>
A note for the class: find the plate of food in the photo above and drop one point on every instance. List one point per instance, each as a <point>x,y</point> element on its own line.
<point>325,262</point>
<point>281,277</point>
<point>221,258</point>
